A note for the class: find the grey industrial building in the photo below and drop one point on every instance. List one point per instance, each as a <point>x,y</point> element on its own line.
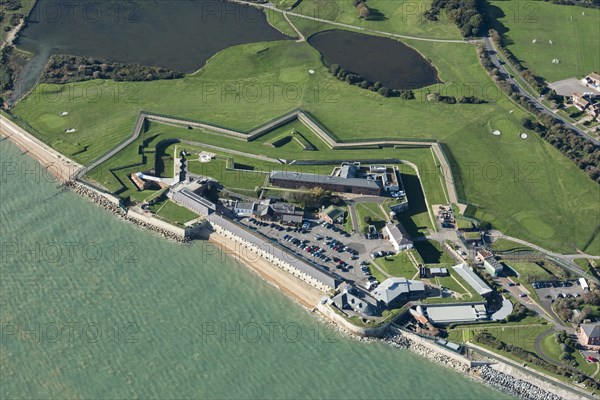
<point>340,184</point>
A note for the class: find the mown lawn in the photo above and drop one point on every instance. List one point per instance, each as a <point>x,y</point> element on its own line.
<point>399,265</point>
<point>372,213</point>
<point>506,245</point>
<point>173,213</point>
<point>398,16</point>
<point>573,31</point>
<point>503,177</point>
<point>528,270</point>
<point>553,350</point>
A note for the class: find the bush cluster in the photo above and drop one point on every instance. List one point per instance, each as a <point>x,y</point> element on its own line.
<point>464,13</point>
<point>358,80</point>
<point>65,68</point>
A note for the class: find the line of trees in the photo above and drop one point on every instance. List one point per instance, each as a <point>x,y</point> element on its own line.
<point>436,96</point>
<point>63,68</point>
<point>537,82</point>
<point>358,80</point>
<point>464,13</point>
<point>583,153</point>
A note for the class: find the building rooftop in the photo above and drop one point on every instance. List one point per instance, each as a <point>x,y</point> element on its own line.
<point>472,279</point>
<point>391,288</point>
<point>333,212</point>
<point>301,177</point>
<point>591,330</point>
<point>456,313</point>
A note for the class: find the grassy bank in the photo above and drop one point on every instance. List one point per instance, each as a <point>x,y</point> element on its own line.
<point>569,34</point>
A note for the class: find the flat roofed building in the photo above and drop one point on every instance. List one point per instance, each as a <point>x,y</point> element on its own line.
<point>491,265</point>
<point>190,200</point>
<point>444,315</point>
<point>393,289</point>
<point>472,279</point>
<point>438,271</point>
<point>398,237</point>
<point>296,180</point>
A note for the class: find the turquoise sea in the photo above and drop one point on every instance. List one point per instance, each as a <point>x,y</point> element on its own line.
<point>92,307</point>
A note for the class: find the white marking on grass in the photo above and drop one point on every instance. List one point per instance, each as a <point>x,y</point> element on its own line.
<point>496,133</point>
<point>523,136</point>
<point>64,113</point>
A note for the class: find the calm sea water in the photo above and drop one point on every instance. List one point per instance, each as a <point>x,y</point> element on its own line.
<point>92,307</point>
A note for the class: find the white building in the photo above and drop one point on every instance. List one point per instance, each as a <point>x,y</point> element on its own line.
<point>398,237</point>
<point>472,279</point>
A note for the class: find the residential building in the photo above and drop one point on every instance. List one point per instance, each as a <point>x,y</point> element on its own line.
<point>393,290</point>
<point>593,80</point>
<point>298,180</point>
<point>333,215</point>
<point>579,101</point>
<point>472,279</point>
<point>589,335</point>
<point>356,300</point>
<point>397,235</point>
<point>491,265</point>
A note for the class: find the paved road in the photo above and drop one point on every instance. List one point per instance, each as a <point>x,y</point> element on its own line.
<point>493,51</point>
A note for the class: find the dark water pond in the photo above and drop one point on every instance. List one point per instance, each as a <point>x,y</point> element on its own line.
<point>389,61</point>
<point>175,34</point>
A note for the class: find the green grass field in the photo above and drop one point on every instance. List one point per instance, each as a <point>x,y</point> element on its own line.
<point>399,265</point>
<point>372,211</point>
<point>553,350</point>
<point>529,270</point>
<point>172,212</point>
<point>398,16</point>
<point>574,32</point>
<point>507,245</point>
<point>521,335</point>
<point>505,178</point>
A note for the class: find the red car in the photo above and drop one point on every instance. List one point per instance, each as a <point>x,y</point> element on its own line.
<point>592,359</point>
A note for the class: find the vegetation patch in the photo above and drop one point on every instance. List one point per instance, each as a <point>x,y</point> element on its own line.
<point>62,68</point>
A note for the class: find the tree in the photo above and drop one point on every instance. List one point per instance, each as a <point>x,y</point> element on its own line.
<point>334,69</point>
<point>363,11</point>
<point>367,219</point>
<point>527,123</point>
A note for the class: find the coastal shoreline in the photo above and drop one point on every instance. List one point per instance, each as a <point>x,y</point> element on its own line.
<point>502,377</point>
